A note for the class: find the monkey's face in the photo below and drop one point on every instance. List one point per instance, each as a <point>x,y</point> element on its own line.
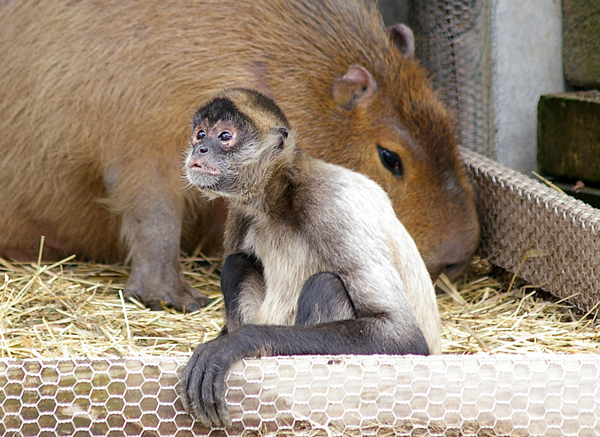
<point>225,159</point>
<point>238,140</point>
<point>209,158</point>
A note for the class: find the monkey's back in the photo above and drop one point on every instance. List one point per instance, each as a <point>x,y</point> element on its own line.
<point>361,214</point>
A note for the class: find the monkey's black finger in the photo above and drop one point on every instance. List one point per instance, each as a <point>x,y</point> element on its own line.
<point>186,378</point>
<point>222,410</point>
<point>184,385</point>
<point>208,393</point>
<point>196,389</point>
<point>200,413</point>
<point>219,371</point>
<point>192,380</point>
<point>195,403</point>
<point>211,411</point>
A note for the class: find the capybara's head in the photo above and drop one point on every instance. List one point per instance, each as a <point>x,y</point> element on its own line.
<point>389,124</point>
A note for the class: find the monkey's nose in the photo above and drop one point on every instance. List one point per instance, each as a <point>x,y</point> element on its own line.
<point>198,166</point>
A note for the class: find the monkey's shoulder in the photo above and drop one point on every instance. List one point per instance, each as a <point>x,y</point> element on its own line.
<point>336,192</point>
<point>331,207</point>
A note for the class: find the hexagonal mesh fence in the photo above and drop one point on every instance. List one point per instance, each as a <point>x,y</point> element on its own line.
<point>469,395</point>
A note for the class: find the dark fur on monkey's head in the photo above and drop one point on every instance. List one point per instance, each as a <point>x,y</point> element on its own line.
<point>222,106</point>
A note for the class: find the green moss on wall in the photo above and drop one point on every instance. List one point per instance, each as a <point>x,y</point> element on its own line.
<point>581,42</point>
<point>569,135</point>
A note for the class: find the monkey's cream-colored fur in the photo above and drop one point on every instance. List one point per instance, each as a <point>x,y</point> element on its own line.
<point>352,222</point>
<point>304,216</point>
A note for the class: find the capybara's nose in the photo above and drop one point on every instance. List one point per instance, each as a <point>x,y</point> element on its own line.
<point>453,268</point>
<point>452,259</point>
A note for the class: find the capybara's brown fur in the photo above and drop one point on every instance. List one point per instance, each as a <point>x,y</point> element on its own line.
<point>95,102</point>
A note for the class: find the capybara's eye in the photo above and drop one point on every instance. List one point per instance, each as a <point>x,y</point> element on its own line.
<point>201,134</point>
<point>225,136</point>
<point>391,161</point>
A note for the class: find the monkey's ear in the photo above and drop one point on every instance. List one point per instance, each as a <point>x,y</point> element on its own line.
<point>354,88</point>
<point>282,134</point>
<point>404,39</point>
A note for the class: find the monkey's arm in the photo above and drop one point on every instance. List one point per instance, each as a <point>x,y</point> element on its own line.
<point>203,379</point>
<point>243,288</point>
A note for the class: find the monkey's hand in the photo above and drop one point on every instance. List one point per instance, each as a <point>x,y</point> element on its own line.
<point>203,379</point>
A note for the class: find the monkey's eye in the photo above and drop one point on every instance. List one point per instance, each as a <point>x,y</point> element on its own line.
<point>391,161</point>
<point>201,134</point>
<point>225,136</point>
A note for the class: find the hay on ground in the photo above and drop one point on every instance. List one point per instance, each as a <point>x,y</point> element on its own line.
<point>69,309</point>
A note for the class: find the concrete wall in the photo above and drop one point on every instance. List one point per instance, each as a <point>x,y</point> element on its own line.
<point>528,64</point>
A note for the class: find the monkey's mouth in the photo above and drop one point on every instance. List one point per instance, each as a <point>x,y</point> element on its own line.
<point>203,169</point>
<point>203,176</point>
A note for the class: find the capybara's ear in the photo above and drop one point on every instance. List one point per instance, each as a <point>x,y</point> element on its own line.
<point>354,88</point>
<point>403,37</point>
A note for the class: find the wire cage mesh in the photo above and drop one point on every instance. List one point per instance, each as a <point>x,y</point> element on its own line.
<point>454,41</point>
<point>452,395</point>
<point>547,237</point>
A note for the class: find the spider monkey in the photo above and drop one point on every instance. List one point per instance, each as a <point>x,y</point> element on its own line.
<point>316,260</point>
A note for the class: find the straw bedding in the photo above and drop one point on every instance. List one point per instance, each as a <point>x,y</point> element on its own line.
<point>71,309</point>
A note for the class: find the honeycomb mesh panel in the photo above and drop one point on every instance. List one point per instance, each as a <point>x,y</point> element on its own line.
<point>451,395</point>
<point>550,238</point>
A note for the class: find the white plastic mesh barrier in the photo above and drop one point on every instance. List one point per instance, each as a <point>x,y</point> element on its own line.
<point>552,239</point>
<point>469,395</point>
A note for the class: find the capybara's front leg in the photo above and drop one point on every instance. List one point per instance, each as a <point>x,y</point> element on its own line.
<point>151,229</point>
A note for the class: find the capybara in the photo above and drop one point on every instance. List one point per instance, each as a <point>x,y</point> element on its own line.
<point>95,103</point>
